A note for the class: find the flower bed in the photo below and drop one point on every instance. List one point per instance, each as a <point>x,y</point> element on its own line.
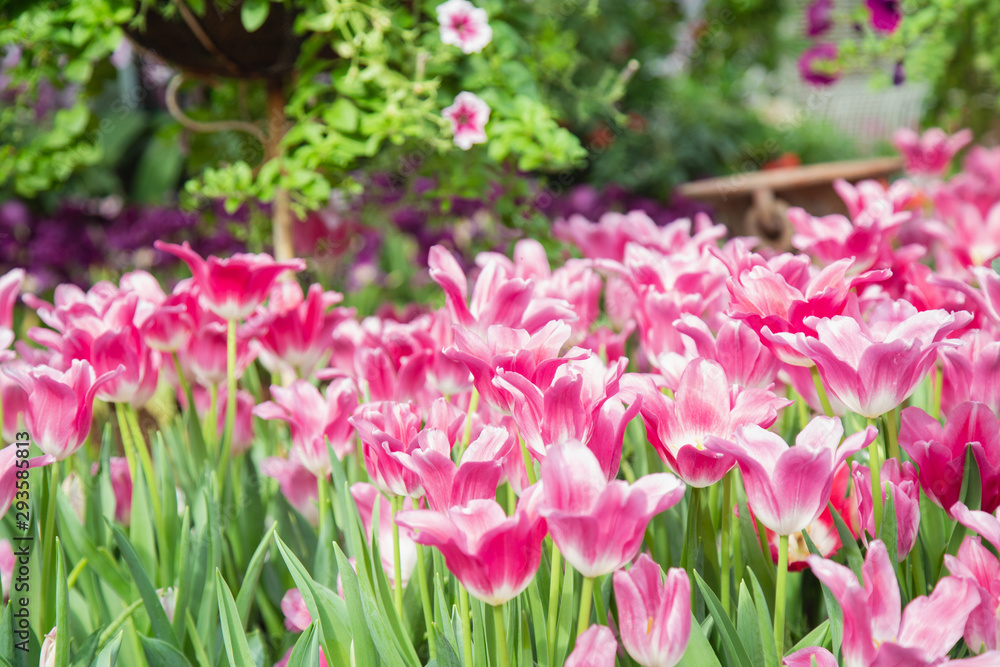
<point>669,450</point>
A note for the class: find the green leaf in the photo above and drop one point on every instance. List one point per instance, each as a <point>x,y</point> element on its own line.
<point>364,650</point>
<point>832,606</point>
<point>62,608</point>
<point>342,115</point>
<point>888,532</point>
<point>157,617</point>
<point>734,647</point>
<point>232,626</point>
<point>538,619</point>
<point>749,630</point>
<point>820,636</point>
<point>305,653</point>
<point>849,542</point>
<point>245,597</point>
<point>699,652</point>
<point>254,13</point>
<point>97,560</point>
<point>765,624</point>
<point>161,654</point>
<point>109,654</point>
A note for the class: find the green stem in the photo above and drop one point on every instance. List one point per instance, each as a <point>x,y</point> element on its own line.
<point>501,636</point>
<point>321,500</point>
<point>725,519</point>
<point>425,600</point>
<point>227,433</point>
<point>139,440</point>
<point>824,400</point>
<point>48,539</point>
<point>555,577</point>
<point>586,594</point>
<point>917,561</point>
<point>734,480</point>
<point>126,433</point>
<point>511,500</point>
<point>938,390</point>
<point>890,435</point>
<point>185,387</point>
<point>117,623</point>
<point>397,588</point>
<point>210,428</point>
<point>529,463</point>
<point>466,621</point>
<point>467,433</point>
<point>779,597</point>
<point>875,469</point>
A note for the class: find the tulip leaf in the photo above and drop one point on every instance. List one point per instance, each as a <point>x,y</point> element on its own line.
<point>140,528</point>
<point>565,624</point>
<point>62,609</point>
<point>749,629</point>
<point>538,620</point>
<point>832,606</point>
<point>441,611</point>
<point>757,560</point>
<point>305,653</point>
<point>199,648</point>
<point>233,634</point>
<point>764,623</point>
<point>820,636</point>
<point>888,532</point>
<point>364,651</point>
<point>730,639</point>
<point>848,542</point>
<point>109,654</point>
<point>699,652</point>
<point>382,598</point>
<point>98,560</point>
<point>478,632</point>
<point>161,654</point>
<point>150,600</point>
<point>245,597</point>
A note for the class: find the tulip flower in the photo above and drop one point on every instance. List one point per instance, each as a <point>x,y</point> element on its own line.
<point>464,25</point>
<point>170,325</point>
<point>365,496</point>
<point>594,648</point>
<point>315,419</point>
<point>47,654</point>
<point>60,405</point>
<point>243,429</point>
<point>977,564</point>
<point>737,348</point>
<point>875,633</point>
<point>13,401</point>
<point>929,153</point>
<point>7,563</point>
<point>494,556</point>
<point>940,452</point>
<point>599,525</point>
<point>390,434</point>
<point>902,481</point>
<point>293,606</point>
<point>873,367</point>
<point>121,484</point>
<point>298,483</point>
<point>654,618</point>
<point>10,287</point>
<point>811,656</point>
<point>447,485</point>
<point>704,406</point>
<point>205,352</point>
<point>232,287</point>
<point>971,372</point>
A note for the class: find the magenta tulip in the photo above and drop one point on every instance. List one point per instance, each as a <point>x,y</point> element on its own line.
<point>494,556</point>
<point>978,565</point>
<point>654,618</point>
<point>60,405</point>
<point>447,485</point>
<point>599,525</point>
<point>315,419</point>
<point>390,434</point>
<point>902,481</point>
<point>875,633</point>
<point>704,405</point>
<point>788,487</point>
<point>929,153</point>
<point>594,648</point>
<point>232,287</point>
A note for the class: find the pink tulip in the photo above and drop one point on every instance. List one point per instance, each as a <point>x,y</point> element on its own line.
<point>929,153</point>
<point>905,498</point>
<point>971,372</point>
<point>468,116</point>
<point>233,287</point>
<point>736,347</point>
<point>875,633</point>
<point>365,496</point>
<point>822,532</point>
<point>7,563</point>
<point>494,556</point>
<point>47,653</point>
<point>448,485</point>
<point>704,405</point>
<point>315,419</point>
<point>205,353</point>
<point>654,618</point>
<point>121,485</point>
<point>298,484</point>
<point>14,401</point>
<point>608,237</point>
<point>498,297</point>
<point>599,525</point>
<point>390,434</point>
<point>8,473</point>
<point>60,405</point>
<point>788,487</point>
<point>464,25</point>
<point>811,656</point>
<point>299,329</point>
<point>243,430</point>
<point>977,564</point>
<point>596,647</point>
<point>170,325</point>
<point>10,287</point>
<point>293,606</point>
<point>873,367</point>
<point>939,452</point>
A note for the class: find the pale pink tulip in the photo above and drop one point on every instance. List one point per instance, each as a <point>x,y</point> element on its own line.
<point>979,566</point>
<point>654,618</point>
<point>736,347</point>
<point>599,525</point>
<point>596,647</point>
<point>293,606</point>
<point>788,487</point>
<point>902,480</point>
<point>298,484</point>
<point>7,563</point>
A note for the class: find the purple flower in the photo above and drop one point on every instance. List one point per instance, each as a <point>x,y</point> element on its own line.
<point>819,17</point>
<point>817,64</point>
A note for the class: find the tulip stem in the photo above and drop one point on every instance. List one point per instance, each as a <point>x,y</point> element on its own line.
<point>321,494</point>
<point>824,400</point>
<point>467,433</point>
<point>48,539</point>
<point>182,381</point>
<point>586,593</point>
<point>734,480</point>
<point>875,469</point>
<point>779,597</point>
<point>890,435</point>
<point>227,433</point>
<point>463,607</point>
<point>139,440</point>
<point>555,577</point>
<point>501,636</point>
<point>425,600</point>
<point>126,435</point>
<point>725,520</point>
<point>938,390</point>
<point>917,562</point>
<point>529,464</point>
<point>209,428</point>
<point>397,572</point>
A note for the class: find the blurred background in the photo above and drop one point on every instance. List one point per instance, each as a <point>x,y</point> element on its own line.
<point>123,122</point>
